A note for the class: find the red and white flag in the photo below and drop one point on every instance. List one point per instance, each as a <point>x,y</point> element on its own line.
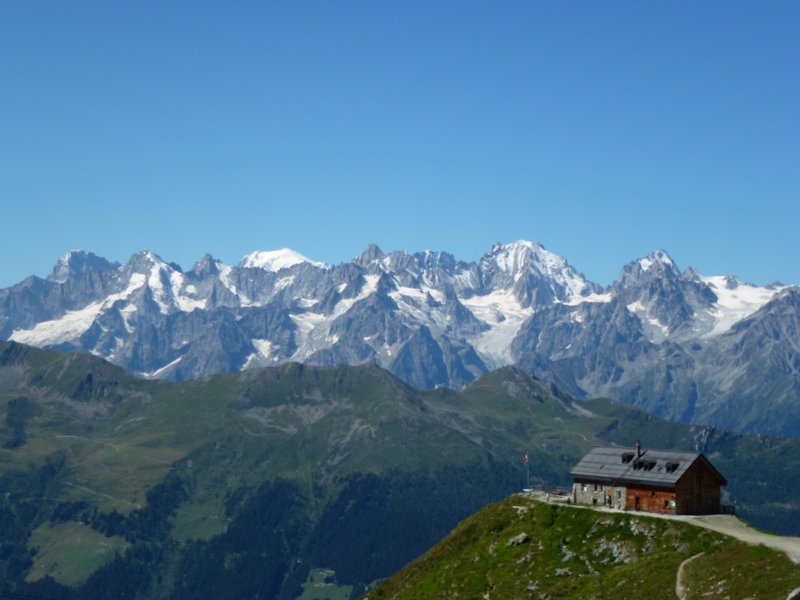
<point>525,458</point>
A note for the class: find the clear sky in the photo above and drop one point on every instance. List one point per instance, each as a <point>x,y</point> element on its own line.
<point>603,130</point>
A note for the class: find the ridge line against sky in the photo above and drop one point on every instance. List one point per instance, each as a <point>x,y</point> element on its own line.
<point>602,131</point>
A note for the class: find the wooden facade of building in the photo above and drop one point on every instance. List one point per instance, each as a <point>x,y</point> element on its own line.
<point>651,500</point>
<point>656,481</point>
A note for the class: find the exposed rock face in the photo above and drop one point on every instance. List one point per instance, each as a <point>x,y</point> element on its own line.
<point>517,540</point>
<point>427,317</point>
<point>688,347</point>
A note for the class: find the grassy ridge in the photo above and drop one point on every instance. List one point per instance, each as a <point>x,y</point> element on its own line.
<point>522,548</point>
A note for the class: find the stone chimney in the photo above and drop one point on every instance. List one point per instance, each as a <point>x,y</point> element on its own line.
<point>638,449</point>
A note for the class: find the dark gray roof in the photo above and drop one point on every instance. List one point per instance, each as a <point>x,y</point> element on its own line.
<point>653,467</point>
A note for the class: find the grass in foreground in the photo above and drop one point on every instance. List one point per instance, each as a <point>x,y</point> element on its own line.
<point>741,571</point>
<point>522,548</point>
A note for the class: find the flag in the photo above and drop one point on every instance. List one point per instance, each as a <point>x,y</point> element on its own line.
<point>525,458</point>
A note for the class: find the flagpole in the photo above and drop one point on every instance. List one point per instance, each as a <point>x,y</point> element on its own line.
<point>528,469</point>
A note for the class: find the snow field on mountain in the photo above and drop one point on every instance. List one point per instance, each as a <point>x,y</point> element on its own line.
<point>504,315</point>
<point>597,298</point>
<point>225,279</point>
<point>522,256</point>
<point>415,302</point>
<point>736,303</point>
<point>658,331</point>
<point>184,303</point>
<point>263,354</point>
<point>313,328</point>
<point>74,323</point>
<point>275,260</point>
<point>160,372</point>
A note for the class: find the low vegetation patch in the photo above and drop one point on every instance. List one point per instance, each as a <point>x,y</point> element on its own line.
<point>70,552</point>
<point>322,585</point>
<point>522,548</point>
<point>739,570</point>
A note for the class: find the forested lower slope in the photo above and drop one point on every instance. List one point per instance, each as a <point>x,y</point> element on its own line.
<point>240,484</point>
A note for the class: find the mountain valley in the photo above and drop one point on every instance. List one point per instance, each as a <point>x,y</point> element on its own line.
<point>244,483</point>
<point>707,350</point>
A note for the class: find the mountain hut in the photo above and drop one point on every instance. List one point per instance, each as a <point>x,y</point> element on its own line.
<point>660,481</point>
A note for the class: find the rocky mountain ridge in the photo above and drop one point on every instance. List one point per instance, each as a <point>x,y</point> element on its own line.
<point>681,344</point>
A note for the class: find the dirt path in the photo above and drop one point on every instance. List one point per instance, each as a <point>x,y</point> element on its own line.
<point>730,525</point>
<point>680,589</point>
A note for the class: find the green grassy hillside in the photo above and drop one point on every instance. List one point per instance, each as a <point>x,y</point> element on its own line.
<point>522,548</point>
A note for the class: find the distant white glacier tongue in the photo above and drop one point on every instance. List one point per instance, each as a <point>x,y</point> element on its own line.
<point>650,338</point>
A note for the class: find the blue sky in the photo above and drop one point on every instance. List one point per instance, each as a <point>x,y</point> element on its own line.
<point>602,130</point>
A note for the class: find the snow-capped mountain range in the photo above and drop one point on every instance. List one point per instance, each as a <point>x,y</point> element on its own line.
<point>674,341</point>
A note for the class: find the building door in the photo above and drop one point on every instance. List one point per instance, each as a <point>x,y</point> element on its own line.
<point>636,504</point>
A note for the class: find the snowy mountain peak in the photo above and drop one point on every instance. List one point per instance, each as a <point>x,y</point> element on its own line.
<point>76,262</point>
<point>435,259</point>
<point>275,260</point>
<point>144,261</point>
<point>370,255</point>
<point>208,265</point>
<point>523,254</point>
<point>520,255</point>
<point>71,256</point>
<point>518,259</point>
<point>152,266</point>
<point>657,258</point>
<point>656,265</point>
